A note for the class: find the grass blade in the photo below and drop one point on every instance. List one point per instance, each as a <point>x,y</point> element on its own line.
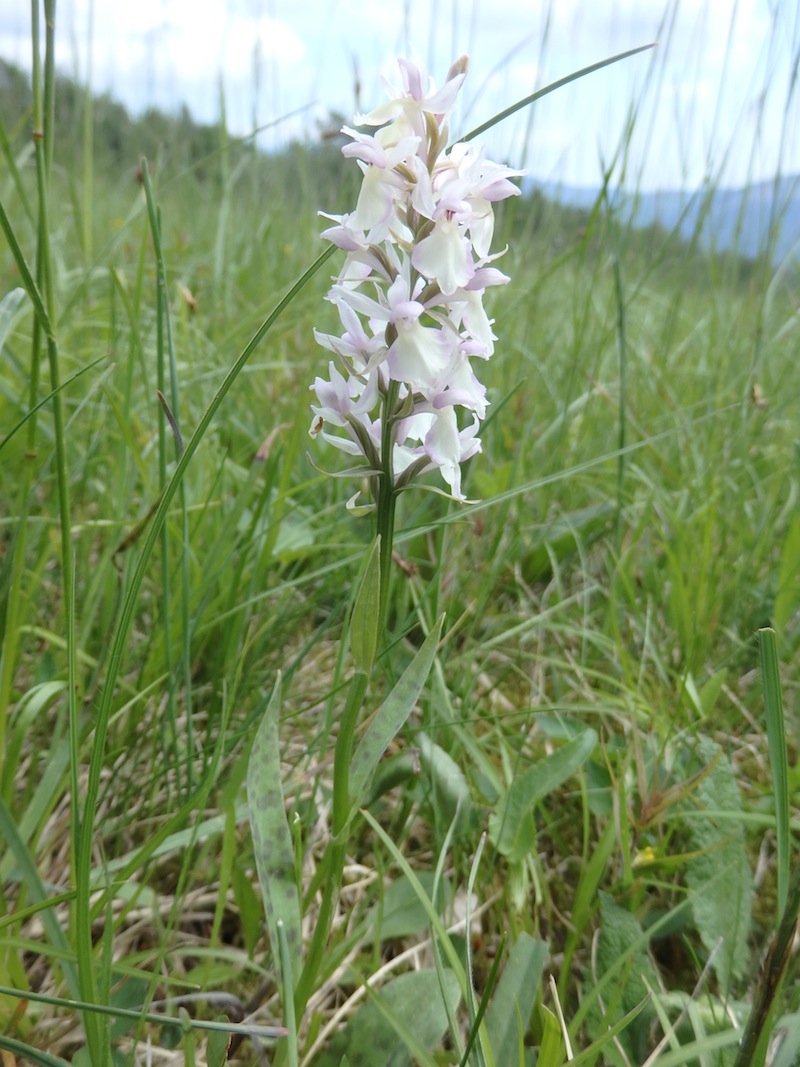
<point>37,891</point>
<point>515,997</point>
<point>509,111</point>
<point>779,760</point>
<point>30,1055</point>
<point>119,644</point>
<point>246,1029</point>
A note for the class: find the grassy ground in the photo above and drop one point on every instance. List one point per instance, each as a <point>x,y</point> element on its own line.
<point>595,707</point>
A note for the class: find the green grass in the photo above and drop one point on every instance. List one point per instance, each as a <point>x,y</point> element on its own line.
<point>595,704</point>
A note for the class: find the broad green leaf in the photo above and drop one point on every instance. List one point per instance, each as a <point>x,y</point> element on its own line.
<point>217,1047</point>
<point>390,716</point>
<point>128,993</point>
<point>584,900</point>
<point>622,939</point>
<point>720,879</point>
<point>366,613</point>
<point>295,534</point>
<point>705,698</point>
<point>399,913</point>
<point>589,1055</point>
<point>515,997</point>
<point>788,1054</point>
<point>710,692</point>
<point>510,825</point>
<point>621,947</point>
<point>414,1001</point>
<point>703,1051</point>
<point>391,772</point>
<point>272,838</point>
<point>697,1017</point>
<point>551,1044</point>
<point>249,907</point>
<point>448,782</point>
<point>563,537</point>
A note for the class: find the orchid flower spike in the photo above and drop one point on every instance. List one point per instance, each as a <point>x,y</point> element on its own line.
<point>402,393</point>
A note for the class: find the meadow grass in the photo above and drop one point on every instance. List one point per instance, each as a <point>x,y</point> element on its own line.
<point>586,786</point>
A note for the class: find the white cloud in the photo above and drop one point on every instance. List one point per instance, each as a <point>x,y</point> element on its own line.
<point>697,95</point>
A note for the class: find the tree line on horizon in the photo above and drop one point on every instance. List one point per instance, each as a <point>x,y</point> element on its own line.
<point>178,146</point>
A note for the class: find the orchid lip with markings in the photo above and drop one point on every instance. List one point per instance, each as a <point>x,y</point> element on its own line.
<point>410,292</point>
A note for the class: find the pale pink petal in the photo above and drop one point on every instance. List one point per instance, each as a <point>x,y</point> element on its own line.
<point>444,257</point>
<point>418,356</point>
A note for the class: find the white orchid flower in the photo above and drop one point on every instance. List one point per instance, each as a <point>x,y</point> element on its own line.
<point>410,292</point>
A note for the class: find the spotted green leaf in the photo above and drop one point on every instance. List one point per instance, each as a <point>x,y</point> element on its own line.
<point>272,838</point>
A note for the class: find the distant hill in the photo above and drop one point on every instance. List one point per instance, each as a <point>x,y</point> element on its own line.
<point>756,219</point>
<point>173,143</point>
<point>751,221</point>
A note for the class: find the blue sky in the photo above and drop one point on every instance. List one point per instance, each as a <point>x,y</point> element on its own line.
<point>711,101</point>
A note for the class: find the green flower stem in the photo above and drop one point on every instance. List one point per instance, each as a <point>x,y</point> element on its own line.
<point>333,856</point>
<point>343,755</point>
<point>337,847</point>
<point>387,499</point>
<point>386,510</point>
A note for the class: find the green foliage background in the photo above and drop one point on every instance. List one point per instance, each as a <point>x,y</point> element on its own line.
<point>636,524</point>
